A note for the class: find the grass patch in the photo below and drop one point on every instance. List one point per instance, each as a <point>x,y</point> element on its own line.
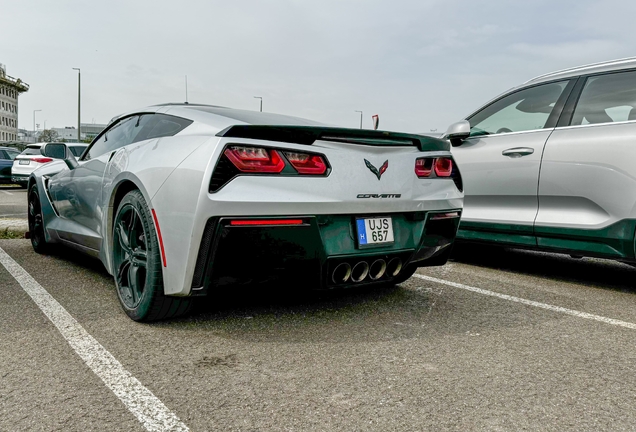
<point>6,234</point>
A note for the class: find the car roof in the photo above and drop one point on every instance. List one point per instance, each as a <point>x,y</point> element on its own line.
<point>607,66</point>
<point>221,117</point>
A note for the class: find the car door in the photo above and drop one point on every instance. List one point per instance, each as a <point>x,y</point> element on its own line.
<point>5,167</point>
<point>77,193</point>
<point>587,189</point>
<point>500,162</point>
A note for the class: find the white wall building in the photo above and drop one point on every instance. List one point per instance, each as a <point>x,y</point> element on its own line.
<point>10,89</point>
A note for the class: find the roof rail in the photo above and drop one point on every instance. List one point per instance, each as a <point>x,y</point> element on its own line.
<point>587,66</point>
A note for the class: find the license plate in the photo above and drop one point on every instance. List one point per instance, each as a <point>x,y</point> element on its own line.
<point>24,162</point>
<point>372,231</point>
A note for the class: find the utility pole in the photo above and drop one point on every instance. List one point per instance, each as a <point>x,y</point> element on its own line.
<point>34,111</point>
<point>79,101</point>
<point>360,118</point>
<point>258,97</point>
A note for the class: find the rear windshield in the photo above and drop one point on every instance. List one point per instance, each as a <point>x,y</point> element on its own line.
<point>31,151</point>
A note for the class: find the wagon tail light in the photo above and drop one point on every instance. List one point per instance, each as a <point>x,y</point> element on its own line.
<point>42,159</point>
<point>440,167</point>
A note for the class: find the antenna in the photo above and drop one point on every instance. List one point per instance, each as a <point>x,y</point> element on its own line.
<point>186,82</point>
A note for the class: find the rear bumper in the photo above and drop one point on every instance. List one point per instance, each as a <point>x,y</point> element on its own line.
<point>308,254</point>
<point>20,178</point>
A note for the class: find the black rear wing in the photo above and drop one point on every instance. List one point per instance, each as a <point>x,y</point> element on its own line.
<point>309,134</point>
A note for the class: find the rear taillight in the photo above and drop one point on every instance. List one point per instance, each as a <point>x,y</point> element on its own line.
<point>424,167</point>
<point>443,167</point>
<point>42,159</point>
<point>307,163</point>
<point>255,159</point>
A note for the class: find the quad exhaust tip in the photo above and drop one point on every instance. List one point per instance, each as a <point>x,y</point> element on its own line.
<point>341,273</point>
<point>377,269</point>
<point>394,267</point>
<point>359,271</point>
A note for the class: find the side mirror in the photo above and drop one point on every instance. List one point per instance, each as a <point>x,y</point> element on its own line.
<point>59,151</point>
<point>457,132</point>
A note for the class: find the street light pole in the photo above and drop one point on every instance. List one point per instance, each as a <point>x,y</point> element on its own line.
<point>258,97</point>
<point>360,118</point>
<point>79,101</point>
<point>34,111</point>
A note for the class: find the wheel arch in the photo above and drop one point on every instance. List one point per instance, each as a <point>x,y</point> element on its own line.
<point>122,186</point>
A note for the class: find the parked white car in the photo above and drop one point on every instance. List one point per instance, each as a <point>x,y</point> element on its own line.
<point>550,164</point>
<point>31,158</point>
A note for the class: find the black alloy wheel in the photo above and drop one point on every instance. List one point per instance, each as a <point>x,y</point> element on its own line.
<point>36,224</point>
<point>137,264</point>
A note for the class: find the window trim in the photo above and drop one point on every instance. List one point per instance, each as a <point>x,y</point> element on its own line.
<point>566,118</point>
<point>554,116</point>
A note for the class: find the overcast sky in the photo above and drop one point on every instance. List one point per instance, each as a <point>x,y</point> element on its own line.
<point>419,64</point>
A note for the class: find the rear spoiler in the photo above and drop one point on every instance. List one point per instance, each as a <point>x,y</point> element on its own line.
<point>309,134</point>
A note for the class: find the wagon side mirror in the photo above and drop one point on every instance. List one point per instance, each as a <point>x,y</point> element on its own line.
<point>457,132</point>
<point>59,151</point>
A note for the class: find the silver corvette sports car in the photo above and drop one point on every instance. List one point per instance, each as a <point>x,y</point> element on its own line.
<point>177,200</point>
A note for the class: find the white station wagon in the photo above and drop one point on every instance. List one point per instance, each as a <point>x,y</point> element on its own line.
<point>551,164</point>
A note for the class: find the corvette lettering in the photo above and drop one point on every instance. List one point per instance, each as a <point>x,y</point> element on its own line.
<point>379,196</point>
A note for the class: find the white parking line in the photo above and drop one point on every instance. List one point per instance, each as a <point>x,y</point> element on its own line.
<point>148,409</point>
<point>572,312</point>
<point>7,192</point>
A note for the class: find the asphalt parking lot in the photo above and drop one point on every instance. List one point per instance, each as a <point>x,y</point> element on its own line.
<point>13,202</point>
<point>495,340</point>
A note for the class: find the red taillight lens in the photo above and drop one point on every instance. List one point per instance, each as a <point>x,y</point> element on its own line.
<point>307,163</point>
<point>443,167</point>
<point>42,159</point>
<point>255,159</point>
<point>261,222</point>
<point>423,167</point>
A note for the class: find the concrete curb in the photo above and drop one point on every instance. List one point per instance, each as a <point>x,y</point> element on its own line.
<point>13,228</point>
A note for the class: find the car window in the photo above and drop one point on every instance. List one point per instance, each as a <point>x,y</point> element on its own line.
<point>77,150</point>
<point>31,151</point>
<point>160,125</point>
<point>12,154</point>
<point>120,134</point>
<point>527,109</point>
<point>4,155</point>
<point>607,99</point>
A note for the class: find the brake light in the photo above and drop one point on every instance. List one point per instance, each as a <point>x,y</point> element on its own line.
<point>423,167</point>
<point>42,159</point>
<point>261,222</point>
<point>443,167</point>
<point>255,159</point>
<point>306,163</point>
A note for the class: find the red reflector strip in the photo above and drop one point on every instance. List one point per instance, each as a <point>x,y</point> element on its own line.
<point>439,216</point>
<point>163,252</point>
<point>42,159</point>
<point>253,222</point>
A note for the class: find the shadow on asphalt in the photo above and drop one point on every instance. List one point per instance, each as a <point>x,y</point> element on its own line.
<point>595,272</point>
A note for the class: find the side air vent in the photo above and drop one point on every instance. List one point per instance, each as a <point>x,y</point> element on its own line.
<point>223,173</point>
<point>204,253</point>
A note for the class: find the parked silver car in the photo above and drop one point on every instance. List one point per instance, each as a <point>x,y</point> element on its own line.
<point>551,164</point>
<point>31,159</point>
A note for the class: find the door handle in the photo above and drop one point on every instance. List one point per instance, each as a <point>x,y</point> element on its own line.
<point>518,152</point>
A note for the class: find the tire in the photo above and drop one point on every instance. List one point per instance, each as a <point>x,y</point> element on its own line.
<point>137,264</point>
<point>36,222</point>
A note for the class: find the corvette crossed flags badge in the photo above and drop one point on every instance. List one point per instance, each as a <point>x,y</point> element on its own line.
<point>374,170</point>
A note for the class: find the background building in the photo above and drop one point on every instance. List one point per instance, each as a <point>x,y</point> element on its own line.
<point>10,89</point>
<point>88,131</point>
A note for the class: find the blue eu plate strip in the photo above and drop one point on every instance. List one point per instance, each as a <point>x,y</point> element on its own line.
<point>362,232</point>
